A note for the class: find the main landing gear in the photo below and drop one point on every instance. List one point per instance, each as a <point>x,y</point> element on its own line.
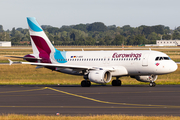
<point>116,82</point>
<point>152,84</point>
<point>85,83</point>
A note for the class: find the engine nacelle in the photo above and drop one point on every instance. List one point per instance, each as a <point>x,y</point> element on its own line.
<point>99,76</point>
<point>145,78</point>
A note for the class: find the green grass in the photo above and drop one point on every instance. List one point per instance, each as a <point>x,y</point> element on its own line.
<point>28,75</point>
<point>88,117</point>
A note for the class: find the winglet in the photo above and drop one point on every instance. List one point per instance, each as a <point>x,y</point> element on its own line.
<point>10,62</point>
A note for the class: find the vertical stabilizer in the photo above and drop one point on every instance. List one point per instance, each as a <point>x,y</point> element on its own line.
<point>41,44</point>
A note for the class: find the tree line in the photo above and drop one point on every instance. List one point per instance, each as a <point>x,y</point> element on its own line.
<point>96,33</point>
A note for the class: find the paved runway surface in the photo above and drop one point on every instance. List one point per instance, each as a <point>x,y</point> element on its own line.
<point>76,100</point>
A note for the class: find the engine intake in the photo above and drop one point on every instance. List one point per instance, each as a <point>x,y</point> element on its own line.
<point>100,76</point>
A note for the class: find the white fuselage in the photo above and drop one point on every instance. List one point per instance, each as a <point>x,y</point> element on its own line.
<point>137,62</point>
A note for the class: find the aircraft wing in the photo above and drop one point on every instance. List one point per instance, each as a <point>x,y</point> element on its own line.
<point>67,66</point>
<point>59,65</point>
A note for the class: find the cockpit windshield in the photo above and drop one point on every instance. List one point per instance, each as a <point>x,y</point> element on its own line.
<point>162,58</point>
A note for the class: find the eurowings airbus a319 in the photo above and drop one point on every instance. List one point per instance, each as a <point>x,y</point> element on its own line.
<point>97,66</point>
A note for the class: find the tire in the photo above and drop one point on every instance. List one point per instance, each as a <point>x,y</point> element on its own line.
<point>83,83</point>
<point>88,83</point>
<point>152,84</point>
<point>116,83</point>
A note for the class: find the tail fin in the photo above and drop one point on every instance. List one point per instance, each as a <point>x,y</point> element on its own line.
<point>41,45</point>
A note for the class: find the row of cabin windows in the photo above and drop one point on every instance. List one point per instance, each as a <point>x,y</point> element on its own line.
<point>100,59</point>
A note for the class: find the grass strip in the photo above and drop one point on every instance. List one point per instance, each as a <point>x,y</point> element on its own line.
<point>29,75</point>
<point>89,117</point>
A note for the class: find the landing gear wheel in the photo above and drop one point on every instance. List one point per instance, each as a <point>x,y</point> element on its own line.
<point>152,84</point>
<point>88,83</point>
<point>116,83</point>
<point>85,83</point>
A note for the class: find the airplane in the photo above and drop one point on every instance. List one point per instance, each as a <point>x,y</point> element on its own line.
<point>96,66</point>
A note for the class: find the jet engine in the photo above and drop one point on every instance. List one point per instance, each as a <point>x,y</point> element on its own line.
<point>99,76</point>
<point>148,78</point>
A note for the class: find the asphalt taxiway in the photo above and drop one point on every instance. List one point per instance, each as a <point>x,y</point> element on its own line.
<point>76,100</point>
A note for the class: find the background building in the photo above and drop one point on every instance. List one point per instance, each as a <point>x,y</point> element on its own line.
<point>168,42</point>
<point>5,44</point>
<point>165,43</point>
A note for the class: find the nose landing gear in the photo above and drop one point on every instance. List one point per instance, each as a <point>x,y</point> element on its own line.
<point>152,84</point>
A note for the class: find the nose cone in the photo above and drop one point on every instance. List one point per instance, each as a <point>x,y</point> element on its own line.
<point>173,67</point>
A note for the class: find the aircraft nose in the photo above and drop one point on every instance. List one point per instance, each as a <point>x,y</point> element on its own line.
<point>173,67</point>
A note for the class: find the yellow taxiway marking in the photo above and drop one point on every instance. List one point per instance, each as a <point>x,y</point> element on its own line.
<point>24,90</point>
<point>131,92</point>
<point>106,102</point>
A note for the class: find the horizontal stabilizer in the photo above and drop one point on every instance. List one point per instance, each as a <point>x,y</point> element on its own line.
<point>24,57</point>
<point>13,62</point>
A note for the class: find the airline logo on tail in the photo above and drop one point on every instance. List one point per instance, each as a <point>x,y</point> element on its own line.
<point>42,46</point>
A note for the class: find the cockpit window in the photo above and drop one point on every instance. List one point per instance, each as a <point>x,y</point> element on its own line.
<point>167,58</point>
<point>162,58</point>
<point>157,58</point>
